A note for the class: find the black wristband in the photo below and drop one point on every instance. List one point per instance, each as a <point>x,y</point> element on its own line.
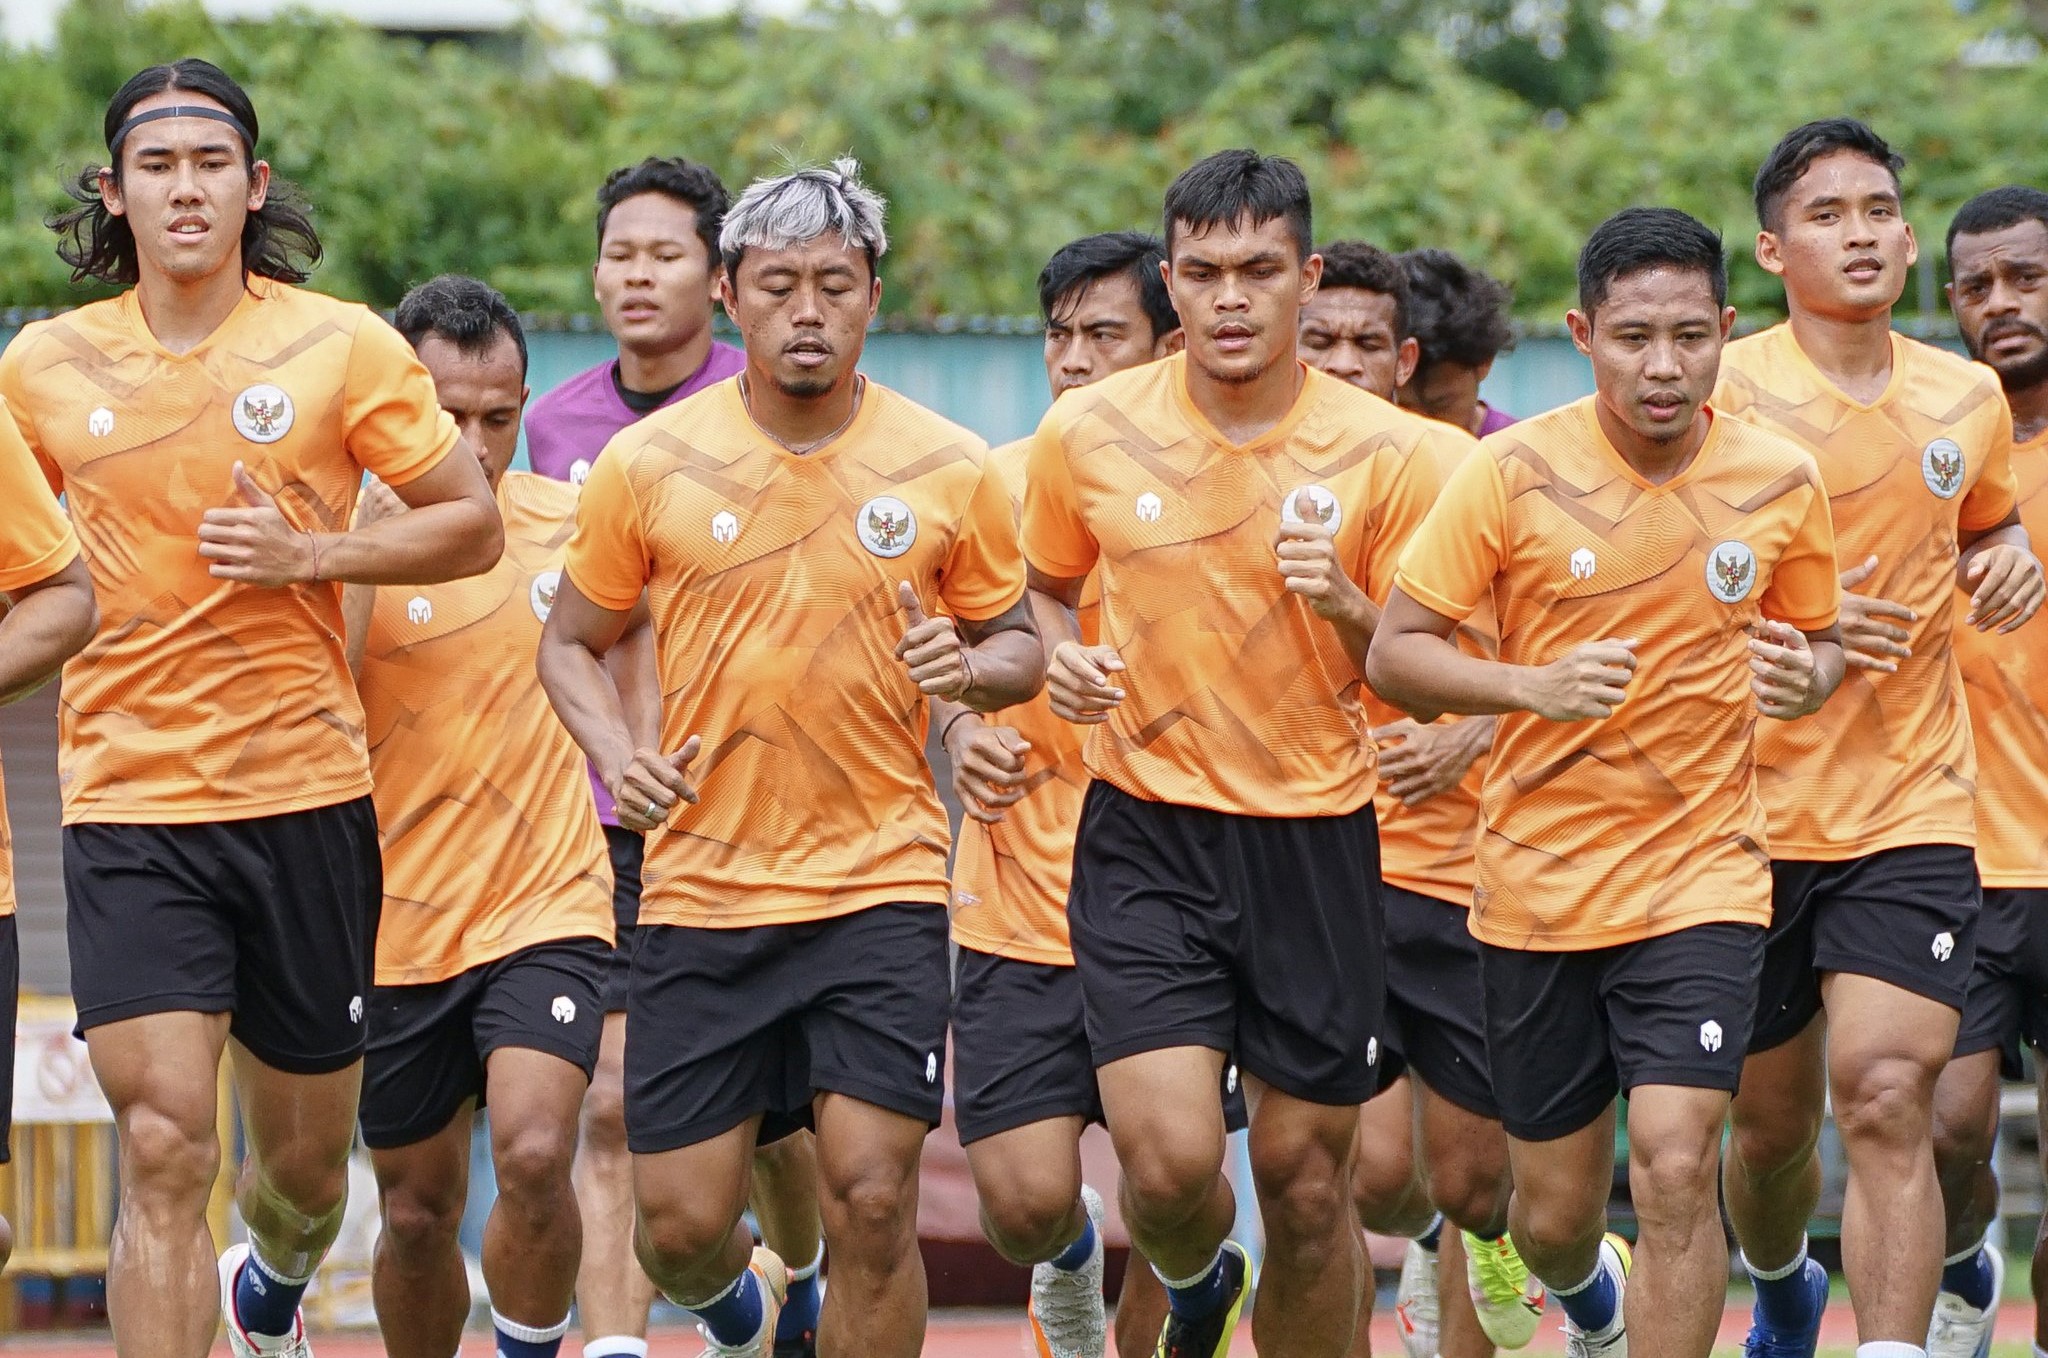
<point>946,732</point>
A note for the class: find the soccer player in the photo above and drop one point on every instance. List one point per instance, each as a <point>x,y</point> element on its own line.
<point>1427,805</point>
<point>1025,1087</point>
<point>46,616</point>
<point>795,530</point>
<point>210,426</point>
<point>655,278</point>
<point>1875,895</point>
<point>1459,318</point>
<point>1235,505</point>
<point>1662,575</point>
<point>1998,260</point>
<point>496,931</point>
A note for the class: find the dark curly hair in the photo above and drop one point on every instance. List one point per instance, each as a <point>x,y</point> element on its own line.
<point>278,240</point>
<point>1456,313</point>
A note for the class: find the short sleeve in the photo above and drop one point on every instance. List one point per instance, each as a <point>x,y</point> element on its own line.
<point>984,572</point>
<point>1991,499</point>
<point>1056,540</point>
<point>1410,492</point>
<point>1806,585</point>
<point>13,391</point>
<point>1451,560</point>
<point>392,420</point>
<point>36,541</point>
<point>607,559</point>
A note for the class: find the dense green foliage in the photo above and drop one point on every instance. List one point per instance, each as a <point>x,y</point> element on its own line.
<point>1000,128</point>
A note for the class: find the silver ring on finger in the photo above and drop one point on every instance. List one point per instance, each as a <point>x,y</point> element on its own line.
<point>651,811</point>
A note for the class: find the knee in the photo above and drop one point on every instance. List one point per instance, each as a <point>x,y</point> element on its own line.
<point>1885,1101</point>
<point>1025,1218</point>
<point>1167,1178</point>
<point>681,1237</point>
<point>604,1117</point>
<point>533,1164</point>
<point>165,1158</point>
<point>875,1203</point>
<point>1302,1185</point>
<point>420,1224</point>
<point>1384,1186</point>
<point>1552,1224</point>
<point>1771,1141</point>
<point>1674,1182</point>
<point>1963,1140</point>
<point>1471,1195</point>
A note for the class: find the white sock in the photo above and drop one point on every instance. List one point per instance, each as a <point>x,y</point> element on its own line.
<point>1773,1275</point>
<point>1970,1253</point>
<point>1890,1348</point>
<point>616,1346</point>
<point>528,1333</point>
<point>2040,1352</point>
<point>810,1270</point>
<point>1199,1275</point>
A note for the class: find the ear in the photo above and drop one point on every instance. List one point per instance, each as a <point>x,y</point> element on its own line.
<point>874,298</point>
<point>1406,357</point>
<point>110,191</point>
<point>1311,277</point>
<point>1727,323</point>
<point>1912,247</point>
<point>1170,343</point>
<point>525,394</point>
<point>1581,326</point>
<point>1768,256</point>
<point>259,185</point>
<point>726,297</point>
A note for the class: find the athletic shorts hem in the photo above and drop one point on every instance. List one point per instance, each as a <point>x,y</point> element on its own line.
<point>1326,1095</point>
<point>1683,1077</point>
<point>661,1140</point>
<point>979,1128</point>
<point>1898,976</point>
<point>1771,1036</point>
<point>1843,853</point>
<point>1163,1039</point>
<point>170,1002</point>
<point>567,1051</point>
<point>415,1130</point>
<point>1970,1044</point>
<point>298,1063</point>
<point>1463,1099</point>
<point>881,1096</point>
<point>1559,1127</point>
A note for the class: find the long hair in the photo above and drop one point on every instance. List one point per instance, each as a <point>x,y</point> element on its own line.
<point>278,240</point>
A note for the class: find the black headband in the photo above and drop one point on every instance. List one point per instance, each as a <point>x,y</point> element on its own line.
<point>180,111</point>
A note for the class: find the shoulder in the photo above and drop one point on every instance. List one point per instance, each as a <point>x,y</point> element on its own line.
<point>903,435</point>
<point>1142,395</point>
<point>94,326</point>
<point>1970,386</point>
<point>1766,456</point>
<point>542,496</point>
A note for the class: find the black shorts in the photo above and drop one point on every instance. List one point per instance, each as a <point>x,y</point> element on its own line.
<point>1020,1049</point>
<point>1436,1001</point>
<point>726,1024</point>
<point>1905,916</point>
<point>1253,935</point>
<point>1570,1030</point>
<point>628,851</point>
<point>429,1044</point>
<point>2008,999</point>
<point>10,1005</point>
<point>272,919</point>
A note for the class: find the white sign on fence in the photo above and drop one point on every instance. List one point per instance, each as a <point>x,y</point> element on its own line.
<point>53,1080</point>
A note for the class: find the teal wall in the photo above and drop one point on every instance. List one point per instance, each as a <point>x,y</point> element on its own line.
<point>995,384</point>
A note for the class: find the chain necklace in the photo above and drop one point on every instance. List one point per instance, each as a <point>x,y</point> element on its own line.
<point>860,386</point>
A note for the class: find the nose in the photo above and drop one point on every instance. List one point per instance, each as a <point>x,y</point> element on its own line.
<point>1661,362</point>
<point>1075,359</point>
<point>185,184</point>
<point>2003,299</point>
<point>1231,296</point>
<point>1346,361</point>
<point>1862,231</point>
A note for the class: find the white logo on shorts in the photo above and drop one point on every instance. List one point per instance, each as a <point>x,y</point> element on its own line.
<point>1710,1035</point>
<point>1329,513</point>
<point>100,423</point>
<point>725,526</point>
<point>564,1009</point>
<point>1944,946</point>
<point>1372,1051</point>
<point>1230,1080</point>
<point>419,610</point>
<point>355,1010</point>
<point>579,471</point>
<point>931,1068</point>
<point>1582,564</point>
<point>1149,508</point>
<point>262,413</point>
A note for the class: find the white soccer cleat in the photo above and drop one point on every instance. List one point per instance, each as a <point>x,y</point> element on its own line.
<point>1415,1303</point>
<point>1960,1330</point>
<point>240,1342</point>
<point>1068,1316</point>
<point>1614,1252</point>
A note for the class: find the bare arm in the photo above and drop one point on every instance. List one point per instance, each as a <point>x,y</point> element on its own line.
<point>986,665</point>
<point>1080,681</point>
<point>48,623</point>
<point>1414,664</point>
<point>645,783</point>
<point>631,664</point>
<point>452,530</point>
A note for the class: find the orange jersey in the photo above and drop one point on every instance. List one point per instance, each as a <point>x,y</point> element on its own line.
<point>1605,832</point>
<point>36,544</point>
<point>2007,681</point>
<point>1432,848</point>
<point>1888,762</point>
<point>491,840</point>
<point>1238,697</point>
<point>772,579</point>
<point>1010,879</point>
<point>203,699</point>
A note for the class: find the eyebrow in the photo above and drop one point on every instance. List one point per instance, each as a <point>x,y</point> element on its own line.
<point>1263,257</point>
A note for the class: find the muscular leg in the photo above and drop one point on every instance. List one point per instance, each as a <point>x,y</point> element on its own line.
<point>1771,1176</point>
<point>417,1281</point>
<point>159,1073</point>
<point>1559,1212</point>
<point>867,1171</point>
<point>1315,1266</point>
<point>1140,1309</point>
<point>1465,1159</point>
<point>534,1237</point>
<point>612,1291</point>
<point>1458,1332</point>
<point>1386,1179</point>
<point>1886,1051</point>
<point>1167,1126</point>
<point>1678,1287</point>
<point>688,1232</point>
<point>1965,1128</point>
<point>785,1198</point>
<point>1028,1180</point>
